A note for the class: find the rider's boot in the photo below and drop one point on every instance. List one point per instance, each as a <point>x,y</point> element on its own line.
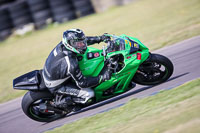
<point>79,96</point>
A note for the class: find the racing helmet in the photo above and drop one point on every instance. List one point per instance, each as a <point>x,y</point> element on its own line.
<point>75,41</point>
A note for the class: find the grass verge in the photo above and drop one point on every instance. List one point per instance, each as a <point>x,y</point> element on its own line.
<point>155,23</point>
<point>171,111</point>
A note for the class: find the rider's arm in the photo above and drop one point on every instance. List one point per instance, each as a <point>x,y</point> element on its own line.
<point>96,39</point>
<point>92,40</point>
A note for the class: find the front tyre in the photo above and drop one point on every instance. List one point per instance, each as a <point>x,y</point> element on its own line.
<point>31,106</point>
<point>155,70</point>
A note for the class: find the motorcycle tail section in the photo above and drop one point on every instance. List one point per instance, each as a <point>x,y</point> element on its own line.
<point>28,81</point>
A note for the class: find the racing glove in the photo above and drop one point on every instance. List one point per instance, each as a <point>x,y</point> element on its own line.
<point>105,76</point>
<point>104,37</point>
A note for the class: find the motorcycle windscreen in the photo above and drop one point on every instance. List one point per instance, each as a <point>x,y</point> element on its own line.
<point>28,81</point>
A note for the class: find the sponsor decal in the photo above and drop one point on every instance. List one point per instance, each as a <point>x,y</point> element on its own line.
<point>128,57</point>
<point>134,55</point>
<point>139,56</point>
<point>96,54</point>
<point>135,44</point>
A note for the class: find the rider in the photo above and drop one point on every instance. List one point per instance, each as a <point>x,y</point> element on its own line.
<point>62,65</point>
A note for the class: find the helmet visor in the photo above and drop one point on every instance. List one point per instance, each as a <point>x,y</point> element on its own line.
<point>80,45</point>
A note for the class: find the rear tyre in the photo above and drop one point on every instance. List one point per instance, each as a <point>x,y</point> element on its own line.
<point>30,106</point>
<point>155,70</point>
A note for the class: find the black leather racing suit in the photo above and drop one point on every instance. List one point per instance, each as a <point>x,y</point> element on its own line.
<point>62,64</point>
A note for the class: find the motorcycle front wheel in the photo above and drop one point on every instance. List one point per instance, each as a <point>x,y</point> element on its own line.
<point>155,70</point>
<point>31,106</point>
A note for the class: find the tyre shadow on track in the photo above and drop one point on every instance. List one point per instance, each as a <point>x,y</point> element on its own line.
<point>178,76</point>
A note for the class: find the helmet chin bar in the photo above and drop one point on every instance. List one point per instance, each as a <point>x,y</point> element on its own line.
<point>82,51</point>
<point>78,51</point>
<point>69,47</point>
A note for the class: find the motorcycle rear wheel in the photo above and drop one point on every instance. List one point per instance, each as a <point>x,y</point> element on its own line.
<point>155,70</point>
<point>30,106</point>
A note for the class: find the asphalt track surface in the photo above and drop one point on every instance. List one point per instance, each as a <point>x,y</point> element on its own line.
<point>185,56</point>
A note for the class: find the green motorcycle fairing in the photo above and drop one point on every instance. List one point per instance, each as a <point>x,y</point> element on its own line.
<point>132,55</point>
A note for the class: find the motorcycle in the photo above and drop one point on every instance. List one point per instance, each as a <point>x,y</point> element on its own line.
<point>129,60</point>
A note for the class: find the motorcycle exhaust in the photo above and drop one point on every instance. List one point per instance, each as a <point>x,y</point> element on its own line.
<point>47,108</point>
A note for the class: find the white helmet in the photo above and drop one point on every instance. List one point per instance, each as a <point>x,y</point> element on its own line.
<point>75,41</point>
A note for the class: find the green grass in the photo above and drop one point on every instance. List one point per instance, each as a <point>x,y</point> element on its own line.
<point>171,111</point>
<point>156,23</point>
